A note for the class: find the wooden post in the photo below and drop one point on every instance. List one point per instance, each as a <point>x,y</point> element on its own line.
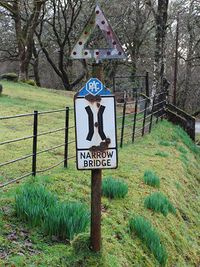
<point>96,180</point>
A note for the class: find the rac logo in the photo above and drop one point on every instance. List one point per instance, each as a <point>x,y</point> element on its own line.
<point>94,86</point>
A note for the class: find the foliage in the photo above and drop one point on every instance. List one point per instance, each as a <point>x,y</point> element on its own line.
<point>162,154</point>
<point>38,206</point>
<point>33,202</point>
<point>114,188</point>
<point>150,178</point>
<point>159,203</point>
<point>149,236</point>
<point>13,77</point>
<point>65,220</point>
<point>30,82</point>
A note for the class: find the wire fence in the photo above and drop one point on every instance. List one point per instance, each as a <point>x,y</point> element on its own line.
<point>134,119</point>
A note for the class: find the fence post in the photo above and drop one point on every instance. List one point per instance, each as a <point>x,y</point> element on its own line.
<point>147,83</point>
<point>66,137</point>
<point>35,131</point>
<point>114,84</point>
<point>123,122</point>
<point>135,117</point>
<point>144,120</point>
<point>151,118</point>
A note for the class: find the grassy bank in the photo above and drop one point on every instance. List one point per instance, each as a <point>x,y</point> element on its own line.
<point>165,152</point>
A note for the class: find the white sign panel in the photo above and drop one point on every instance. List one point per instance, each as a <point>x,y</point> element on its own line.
<point>95,118</point>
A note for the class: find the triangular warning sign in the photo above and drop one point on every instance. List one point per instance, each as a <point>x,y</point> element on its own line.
<point>115,50</point>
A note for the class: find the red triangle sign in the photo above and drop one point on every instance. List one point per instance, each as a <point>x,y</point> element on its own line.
<point>115,50</point>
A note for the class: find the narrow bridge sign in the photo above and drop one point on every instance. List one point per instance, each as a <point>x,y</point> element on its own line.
<point>95,118</point>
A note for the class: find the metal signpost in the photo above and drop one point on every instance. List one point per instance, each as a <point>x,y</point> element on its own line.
<point>95,117</point>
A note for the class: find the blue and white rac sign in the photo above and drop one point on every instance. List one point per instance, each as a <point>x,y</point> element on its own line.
<point>95,124</point>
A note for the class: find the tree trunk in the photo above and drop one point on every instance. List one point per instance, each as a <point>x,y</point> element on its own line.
<point>159,54</point>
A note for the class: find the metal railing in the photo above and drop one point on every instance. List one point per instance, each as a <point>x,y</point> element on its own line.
<point>34,138</point>
<point>135,119</point>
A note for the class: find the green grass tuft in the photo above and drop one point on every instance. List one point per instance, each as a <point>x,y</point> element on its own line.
<point>65,220</point>
<point>162,154</point>
<point>150,178</point>
<point>159,203</point>
<point>39,207</point>
<point>32,203</point>
<point>114,188</point>
<point>180,133</point>
<point>150,237</point>
<point>182,149</point>
<point>166,143</point>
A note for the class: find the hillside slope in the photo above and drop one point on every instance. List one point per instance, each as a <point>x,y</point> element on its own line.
<point>168,152</point>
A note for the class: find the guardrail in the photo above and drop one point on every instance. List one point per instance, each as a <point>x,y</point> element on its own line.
<point>134,119</point>
<point>34,138</point>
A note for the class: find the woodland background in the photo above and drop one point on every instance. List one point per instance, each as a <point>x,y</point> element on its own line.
<point>161,37</point>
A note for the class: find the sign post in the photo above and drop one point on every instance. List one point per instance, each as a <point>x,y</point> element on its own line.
<point>96,182</point>
<point>95,117</point>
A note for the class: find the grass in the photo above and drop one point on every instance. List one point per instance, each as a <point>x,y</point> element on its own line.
<point>182,149</point>
<point>39,207</point>
<point>180,133</point>
<point>146,232</point>
<point>150,178</point>
<point>22,245</point>
<point>114,188</point>
<point>32,203</point>
<point>162,154</point>
<point>65,220</point>
<point>158,202</point>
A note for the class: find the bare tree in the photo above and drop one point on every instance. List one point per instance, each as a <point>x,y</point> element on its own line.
<point>160,16</point>
<point>56,34</point>
<point>26,16</point>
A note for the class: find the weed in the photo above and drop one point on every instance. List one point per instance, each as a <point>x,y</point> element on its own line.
<point>162,154</point>
<point>159,203</point>
<point>114,188</point>
<point>150,237</point>
<point>32,203</point>
<point>150,178</point>
<point>65,220</point>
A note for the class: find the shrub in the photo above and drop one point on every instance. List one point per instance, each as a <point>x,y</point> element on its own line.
<point>33,202</point>
<point>30,82</point>
<point>114,188</point>
<point>10,77</point>
<point>150,178</point>
<point>65,220</point>
<point>159,203</point>
<point>162,154</point>
<point>145,231</point>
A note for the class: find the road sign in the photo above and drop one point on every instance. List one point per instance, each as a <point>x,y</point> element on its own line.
<point>95,118</point>
<point>114,50</point>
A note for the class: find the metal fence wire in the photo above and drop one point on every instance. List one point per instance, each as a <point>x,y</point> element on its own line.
<point>134,119</point>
